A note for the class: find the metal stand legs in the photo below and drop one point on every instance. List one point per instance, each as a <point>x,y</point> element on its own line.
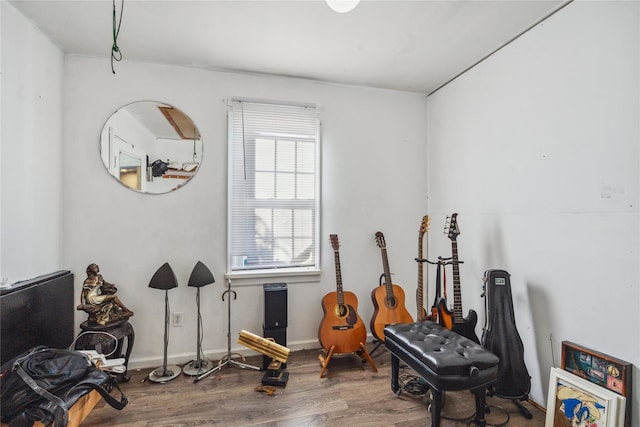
<point>228,358</point>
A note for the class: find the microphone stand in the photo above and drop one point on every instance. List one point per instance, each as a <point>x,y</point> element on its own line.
<point>228,358</point>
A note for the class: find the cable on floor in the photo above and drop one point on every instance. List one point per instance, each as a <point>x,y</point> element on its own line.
<point>412,384</point>
<point>505,422</point>
<point>417,386</point>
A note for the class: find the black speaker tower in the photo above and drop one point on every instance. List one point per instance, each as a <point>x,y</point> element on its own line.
<point>275,324</point>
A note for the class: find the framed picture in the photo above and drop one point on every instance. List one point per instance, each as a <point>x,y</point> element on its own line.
<point>576,402</point>
<point>599,368</point>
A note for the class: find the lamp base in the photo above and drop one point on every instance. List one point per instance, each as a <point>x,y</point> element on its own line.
<point>278,378</point>
<point>196,367</point>
<point>162,375</point>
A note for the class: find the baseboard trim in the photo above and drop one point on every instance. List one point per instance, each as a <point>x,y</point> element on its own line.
<point>213,354</point>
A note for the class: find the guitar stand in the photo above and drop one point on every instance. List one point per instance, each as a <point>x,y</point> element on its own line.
<point>378,343</point>
<point>362,353</point>
<point>516,401</point>
<point>524,411</point>
<point>228,358</point>
<point>442,262</point>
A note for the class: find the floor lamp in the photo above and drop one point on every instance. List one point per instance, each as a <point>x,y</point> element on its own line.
<point>165,279</point>
<point>200,276</point>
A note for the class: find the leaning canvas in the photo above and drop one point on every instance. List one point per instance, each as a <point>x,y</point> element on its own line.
<point>576,402</point>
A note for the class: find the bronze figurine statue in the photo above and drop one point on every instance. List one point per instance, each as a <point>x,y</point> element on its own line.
<point>99,300</point>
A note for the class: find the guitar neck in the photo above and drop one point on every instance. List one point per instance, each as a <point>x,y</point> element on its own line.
<point>339,290</point>
<point>457,297</point>
<point>420,292</point>
<point>387,273</point>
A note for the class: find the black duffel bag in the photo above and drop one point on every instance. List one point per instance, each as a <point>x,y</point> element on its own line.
<point>42,383</point>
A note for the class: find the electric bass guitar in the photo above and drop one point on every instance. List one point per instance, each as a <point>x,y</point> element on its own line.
<point>454,321</point>
<point>388,300</point>
<point>341,327</point>
<point>421,313</point>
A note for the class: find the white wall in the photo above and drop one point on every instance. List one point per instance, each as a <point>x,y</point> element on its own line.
<point>537,150</point>
<point>30,150</point>
<point>374,178</point>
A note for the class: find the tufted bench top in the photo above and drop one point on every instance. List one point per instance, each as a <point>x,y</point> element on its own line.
<point>445,359</point>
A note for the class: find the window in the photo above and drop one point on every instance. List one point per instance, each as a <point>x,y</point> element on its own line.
<point>274,187</point>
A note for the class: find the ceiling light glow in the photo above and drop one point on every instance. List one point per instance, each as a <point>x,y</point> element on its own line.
<point>342,6</point>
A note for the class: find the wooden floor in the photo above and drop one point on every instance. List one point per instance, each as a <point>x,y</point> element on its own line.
<point>350,394</point>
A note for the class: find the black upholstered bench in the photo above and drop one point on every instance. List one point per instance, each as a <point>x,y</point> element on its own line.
<point>446,360</point>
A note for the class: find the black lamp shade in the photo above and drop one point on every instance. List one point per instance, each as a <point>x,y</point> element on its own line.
<point>200,276</point>
<point>164,278</point>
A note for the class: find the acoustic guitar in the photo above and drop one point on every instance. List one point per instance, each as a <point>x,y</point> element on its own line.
<point>421,313</point>
<point>455,321</point>
<point>388,300</point>
<point>341,328</point>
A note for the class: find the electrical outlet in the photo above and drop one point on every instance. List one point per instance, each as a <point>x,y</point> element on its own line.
<point>178,318</point>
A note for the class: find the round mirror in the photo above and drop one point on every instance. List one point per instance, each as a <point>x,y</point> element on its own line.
<point>151,147</point>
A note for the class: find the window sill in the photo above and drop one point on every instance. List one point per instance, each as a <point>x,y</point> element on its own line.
<point>259,277</point>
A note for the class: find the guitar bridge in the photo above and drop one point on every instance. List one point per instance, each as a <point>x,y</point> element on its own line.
<point>342,327</point>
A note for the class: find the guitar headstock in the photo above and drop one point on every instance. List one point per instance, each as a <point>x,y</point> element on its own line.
<point>453,231</point>
<point>424,226</point>
<point>380,240</point>
<point>333,238</point>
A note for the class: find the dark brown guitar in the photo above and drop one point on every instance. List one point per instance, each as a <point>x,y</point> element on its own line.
<point>421,313</point>
<point>465,326</point>
<point>388,300</point>
<point>341,329</point>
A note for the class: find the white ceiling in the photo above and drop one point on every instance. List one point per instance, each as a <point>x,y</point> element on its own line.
<point>404,45</point>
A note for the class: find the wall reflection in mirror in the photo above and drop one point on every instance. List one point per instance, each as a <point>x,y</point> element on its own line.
<point>151,147</point>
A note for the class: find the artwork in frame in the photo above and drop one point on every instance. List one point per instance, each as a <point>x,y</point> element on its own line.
<point>599,368</point>
<point>576,402</point>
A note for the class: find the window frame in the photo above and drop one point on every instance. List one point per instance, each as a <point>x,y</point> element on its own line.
<point>297,274</point>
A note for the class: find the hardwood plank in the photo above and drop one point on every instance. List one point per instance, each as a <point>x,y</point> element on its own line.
<point>350,394</point>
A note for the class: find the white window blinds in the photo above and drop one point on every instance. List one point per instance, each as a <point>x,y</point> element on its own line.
<point>274,183</point>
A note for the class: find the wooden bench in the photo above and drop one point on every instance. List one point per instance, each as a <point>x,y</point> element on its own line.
<point>79,411</point>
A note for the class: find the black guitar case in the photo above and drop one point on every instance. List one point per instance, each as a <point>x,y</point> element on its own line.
<point>501,337</point>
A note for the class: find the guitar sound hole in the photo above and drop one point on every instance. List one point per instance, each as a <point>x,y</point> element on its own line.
<point>391,302</point>
<point>341,310</point>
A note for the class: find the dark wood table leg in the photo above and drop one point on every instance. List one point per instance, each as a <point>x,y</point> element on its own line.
<point>395,369</point>
<point>481,406</point>
<point>436,408</point>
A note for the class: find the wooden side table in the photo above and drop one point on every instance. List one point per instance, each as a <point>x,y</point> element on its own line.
<point>101,339</point>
